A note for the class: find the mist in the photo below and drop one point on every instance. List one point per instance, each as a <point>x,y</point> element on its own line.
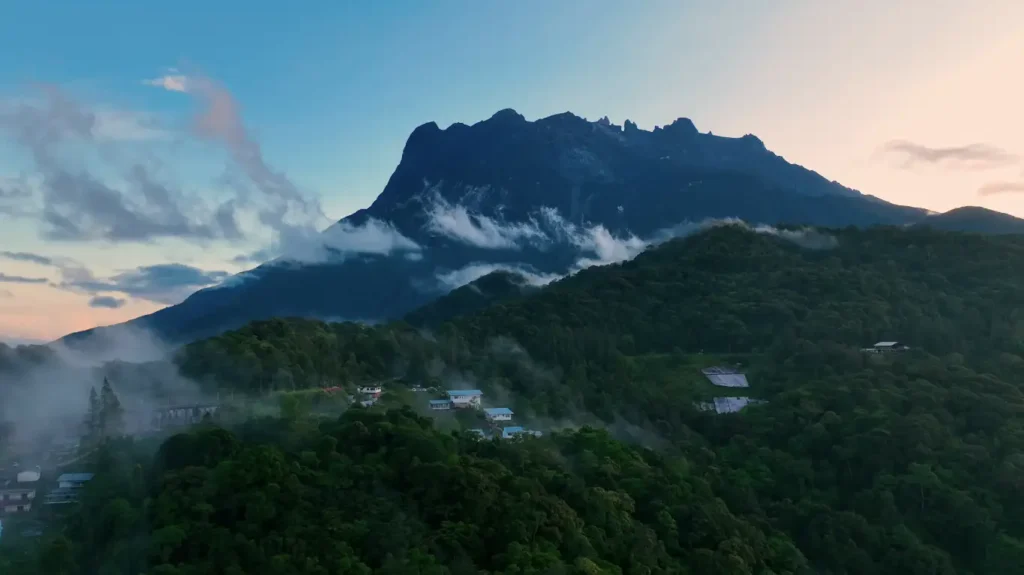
<point>46,388</point>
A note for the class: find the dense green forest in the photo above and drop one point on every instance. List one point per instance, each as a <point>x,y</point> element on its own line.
<point>856,464</point>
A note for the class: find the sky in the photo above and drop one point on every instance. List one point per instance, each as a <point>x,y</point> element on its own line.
<point>148,151</point>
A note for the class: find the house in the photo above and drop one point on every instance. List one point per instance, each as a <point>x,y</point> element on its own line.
<point>479,432</point>
<point>516,431</point>
<point>886,347</point>
<point>440,404</point>
<point>498,414</point>
<point>18,492</point>
<point>73,480</point>
<point>725,377</point>
<point>68,486</point>
<point>374,390</point>
<point>465,397</point>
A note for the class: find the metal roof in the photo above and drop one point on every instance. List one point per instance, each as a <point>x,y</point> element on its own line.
<point>886,343</point>
<point>75,477</point>
<point>510,431</point>
<point>462,392</point>
<point>439,401</point>
<point>498,411</point>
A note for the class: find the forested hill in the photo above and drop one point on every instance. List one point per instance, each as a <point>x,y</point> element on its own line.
<point>856,463</point>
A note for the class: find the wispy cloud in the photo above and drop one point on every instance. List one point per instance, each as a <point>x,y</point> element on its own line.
<point>338,241</point>
<point>971,156</point>
<point>999,188</point>
<point>106,301</point>
<point>161,283</point>
<point>452,279</point>
<point>79,206</point>
<point>172,81</point>
<point>5,278</point>
<point>27,257</point>
<point>478,230</point>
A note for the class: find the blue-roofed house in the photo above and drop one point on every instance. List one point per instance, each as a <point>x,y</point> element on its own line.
<point>440,404</point>
<point>465,397</point>
<point>73,480</point>
<point>498,414</point>
<point>516,431</point>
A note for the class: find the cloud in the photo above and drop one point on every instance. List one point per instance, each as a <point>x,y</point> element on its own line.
<point>27,257</point>
<point>336,242</point>
<point>997,188</point>
<point>78,206</point>
<point>971,156</point>
<point>476,229</point>
<point>4,278</point>
<point>105,301</point>
<point>172,81</point>
<point>161,283</point>
<point>450,280</point>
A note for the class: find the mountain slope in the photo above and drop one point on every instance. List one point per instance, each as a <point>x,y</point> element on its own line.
<point>541,198</point>
<point>870,464</point>
<point>476,295</point>
<point>975,219</point>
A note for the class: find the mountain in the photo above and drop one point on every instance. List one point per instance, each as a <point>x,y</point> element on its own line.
<point>975,219</point>
<point>476,295</point>
<point>539,198</point>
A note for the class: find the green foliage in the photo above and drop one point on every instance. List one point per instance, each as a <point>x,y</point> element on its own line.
<point>385,491</point>
<point>858,464</point>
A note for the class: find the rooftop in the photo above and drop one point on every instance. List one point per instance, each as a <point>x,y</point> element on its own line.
<point>510,431</point>
<point>886,343</point>
<point>498,411</point>
<point>439,401</point>
<point>464,392</point>
<point>75,477</point>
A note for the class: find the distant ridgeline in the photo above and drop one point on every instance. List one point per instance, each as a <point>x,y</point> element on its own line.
<point>837,461</point>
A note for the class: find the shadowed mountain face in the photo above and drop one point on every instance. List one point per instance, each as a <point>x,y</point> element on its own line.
<point>537,198</point>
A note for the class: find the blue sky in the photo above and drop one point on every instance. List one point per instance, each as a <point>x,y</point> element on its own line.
<point>331,90</point>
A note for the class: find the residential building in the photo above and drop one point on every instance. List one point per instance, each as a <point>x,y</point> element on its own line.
<point>440,404</point>
<point>498,414</point>
<point>18,492</point>
<point>374,390</point>
<point>73,480</point>
<point>886,347</point>
<point>725,377</point>
<point>479,432</point>
<point>465,397</point>
<point>68,486</point>
<point>516,431</point>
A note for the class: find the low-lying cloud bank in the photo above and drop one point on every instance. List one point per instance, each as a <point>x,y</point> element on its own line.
<point>596,244</point>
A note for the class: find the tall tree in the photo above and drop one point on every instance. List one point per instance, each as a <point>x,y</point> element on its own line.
<point>111,412</point>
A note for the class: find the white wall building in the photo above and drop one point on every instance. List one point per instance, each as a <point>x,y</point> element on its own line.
<point>462,398</point>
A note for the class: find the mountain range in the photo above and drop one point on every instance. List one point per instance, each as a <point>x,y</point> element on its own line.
<point>540,199</point>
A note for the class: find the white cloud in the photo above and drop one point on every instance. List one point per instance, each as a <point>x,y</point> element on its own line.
<point>124,126</point>
<point>477,229</point>
<point>472,272</point>
<point>171,82</point>
<point>305,245</point>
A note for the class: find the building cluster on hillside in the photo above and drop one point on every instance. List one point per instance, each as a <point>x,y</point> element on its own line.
<point>473,399</point>
<point>728,404</point>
